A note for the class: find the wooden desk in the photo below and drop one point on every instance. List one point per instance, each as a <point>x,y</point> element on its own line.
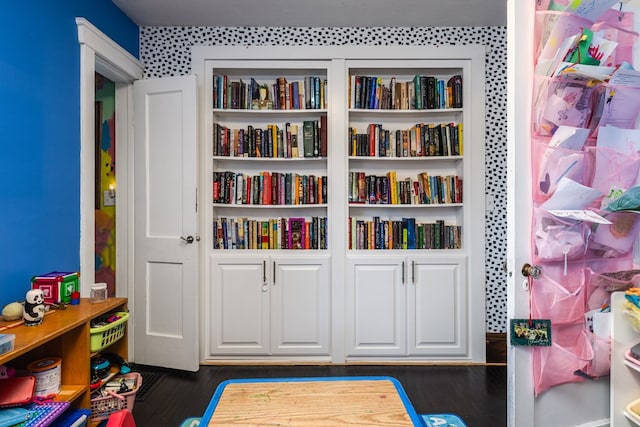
<point>309,402</point>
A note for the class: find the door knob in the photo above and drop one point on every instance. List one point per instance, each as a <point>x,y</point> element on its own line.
<point>532,271</point>
<point>188,239</point>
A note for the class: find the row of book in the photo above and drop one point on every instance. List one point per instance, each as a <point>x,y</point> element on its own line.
<point>388,190</point>
<point>268,188</point>
<point>402,234</point>
<point>421,93</point>
<point>309,93</point>
<point>421,140</point>
<point>291,140</point>
<point>272,233</point>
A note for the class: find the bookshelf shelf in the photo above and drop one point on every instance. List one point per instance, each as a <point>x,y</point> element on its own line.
<point>242,284</point>
<point>412,113</point>
<point>248,113</point>
<point>403,159</point>
<point>69,393</point>
<point>266,160</point>
<point>405,206</point>
<point>268,207</point>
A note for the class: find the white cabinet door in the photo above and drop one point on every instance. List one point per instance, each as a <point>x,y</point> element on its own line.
<point>239,302</point>
<point>437,306</point>
<point>300,306</point>
<point>375,305</point>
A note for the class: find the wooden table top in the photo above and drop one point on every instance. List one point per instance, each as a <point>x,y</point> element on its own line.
<point>309,402</point>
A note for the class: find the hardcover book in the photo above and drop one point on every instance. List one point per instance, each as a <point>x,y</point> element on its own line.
<point>296,233</point>
<point>455,83</point>
<point>308,137</point>
<point>323,135</point>
<point>294,141</point>
<point>264,235</point>
<point>282,93</point>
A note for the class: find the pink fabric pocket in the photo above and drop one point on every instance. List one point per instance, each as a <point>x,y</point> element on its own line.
<point>559,239</point>
<point>606,275</point>
<point>600,364</point>
<point>616,106</point>
<point>552,164</point>
<point>559,297</point>
<point>569,352</point>
<point>613,281</point>
<point>615,169</point>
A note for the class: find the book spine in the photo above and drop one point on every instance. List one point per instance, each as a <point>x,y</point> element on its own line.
<point>282,93</point>
<point>317,89</point>
<point>417,85</point>
<point>323,136</point>
<point>308,127</point>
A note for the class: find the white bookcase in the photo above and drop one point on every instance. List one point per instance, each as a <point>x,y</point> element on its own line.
<point>338,301</point>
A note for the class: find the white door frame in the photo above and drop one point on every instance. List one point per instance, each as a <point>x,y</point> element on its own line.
<point>98,53</point>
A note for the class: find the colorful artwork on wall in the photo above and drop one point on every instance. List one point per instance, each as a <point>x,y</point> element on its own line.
<point>105,212</point>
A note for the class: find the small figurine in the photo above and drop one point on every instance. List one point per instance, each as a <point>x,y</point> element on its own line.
<point>34,307</point>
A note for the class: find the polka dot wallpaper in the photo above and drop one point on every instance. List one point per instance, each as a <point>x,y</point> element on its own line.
<point>165,51</point>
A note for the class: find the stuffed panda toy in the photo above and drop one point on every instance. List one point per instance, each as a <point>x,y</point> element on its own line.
<point>34,307</point>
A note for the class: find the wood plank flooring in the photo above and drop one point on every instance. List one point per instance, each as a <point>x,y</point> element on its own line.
<point>475,393</point>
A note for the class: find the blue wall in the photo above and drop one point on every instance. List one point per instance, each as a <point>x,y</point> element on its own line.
<point>40,134</point>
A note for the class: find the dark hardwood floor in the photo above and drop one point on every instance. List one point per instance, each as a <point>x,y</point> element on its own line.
<point>475,393</point>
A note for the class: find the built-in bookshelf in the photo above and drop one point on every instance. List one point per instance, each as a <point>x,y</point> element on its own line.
<point>406,149</point>
<point>379,179</point>
<point>269,151</point>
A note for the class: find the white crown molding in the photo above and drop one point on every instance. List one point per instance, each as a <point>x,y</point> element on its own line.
<point>109,53</point>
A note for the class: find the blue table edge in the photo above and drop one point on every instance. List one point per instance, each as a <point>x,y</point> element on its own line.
<point>413,415</point>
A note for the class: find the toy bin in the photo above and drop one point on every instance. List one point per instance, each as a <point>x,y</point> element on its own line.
<point>7,342</point>
<point>102,407</point>
<point>108,329</point>
<point>56,286</point>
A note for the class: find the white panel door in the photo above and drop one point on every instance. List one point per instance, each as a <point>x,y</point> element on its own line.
<point>239,301</point>
<point>375,305</point>
<point>300,306</point>
<point>166,245</point>
<point>437,307</point>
